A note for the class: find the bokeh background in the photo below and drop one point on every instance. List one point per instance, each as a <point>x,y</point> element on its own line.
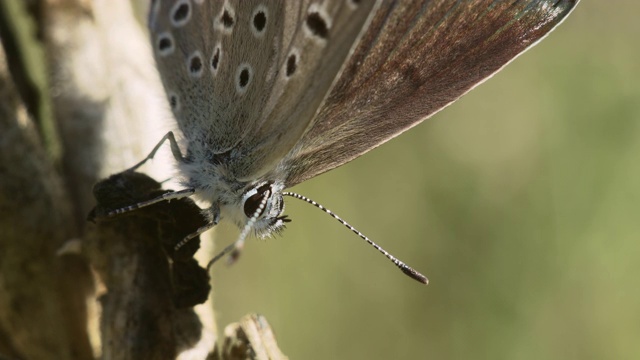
<point>520,202</point>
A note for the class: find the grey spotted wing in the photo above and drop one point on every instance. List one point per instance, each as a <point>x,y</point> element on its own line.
<point>245,77</point>
<point>216,61</point>
<point>415,58</point>
<point>321,39</point>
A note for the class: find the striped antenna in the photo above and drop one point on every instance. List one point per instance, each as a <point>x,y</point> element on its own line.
<point>237,245</point>
<point>406,269</point>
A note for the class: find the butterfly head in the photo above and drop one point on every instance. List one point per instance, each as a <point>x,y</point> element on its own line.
<point>262,206</point>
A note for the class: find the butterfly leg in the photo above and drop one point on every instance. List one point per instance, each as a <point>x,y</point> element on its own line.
<point>175,150</point>
<point>214,219</point>
<point>232,248</point>
<point>173,195</point>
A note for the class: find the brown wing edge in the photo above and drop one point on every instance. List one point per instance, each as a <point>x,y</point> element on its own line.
<point>366,107</point>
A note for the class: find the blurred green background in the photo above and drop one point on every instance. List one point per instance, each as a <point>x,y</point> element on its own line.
<point>520,203</point>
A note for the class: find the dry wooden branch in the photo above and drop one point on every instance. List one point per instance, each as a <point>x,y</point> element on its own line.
<point>251,338</point>
<point>97,113</point>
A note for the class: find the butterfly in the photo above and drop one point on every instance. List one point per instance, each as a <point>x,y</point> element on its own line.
<point>268,94</point>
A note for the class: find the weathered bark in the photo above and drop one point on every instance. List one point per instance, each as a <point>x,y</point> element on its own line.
<point>41,312</point>
<point>80,99</point>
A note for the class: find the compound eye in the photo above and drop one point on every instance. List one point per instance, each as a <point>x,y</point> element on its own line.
<point>252,204</point>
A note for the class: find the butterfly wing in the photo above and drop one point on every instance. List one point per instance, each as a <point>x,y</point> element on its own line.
<point>216,62</point>
<point>415,58</point>
<point>244,78</point>
<point>320,43</point>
